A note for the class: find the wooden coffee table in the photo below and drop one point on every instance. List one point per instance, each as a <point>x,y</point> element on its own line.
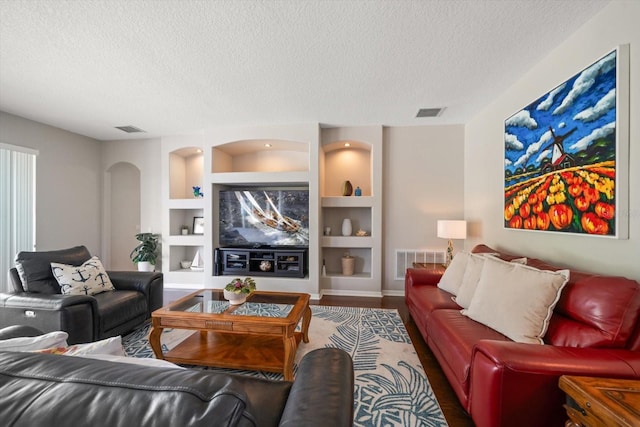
<point>257,335</point>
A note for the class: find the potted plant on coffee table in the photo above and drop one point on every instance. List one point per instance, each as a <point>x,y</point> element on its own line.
<point>237,290</point>
<point>146,253</point>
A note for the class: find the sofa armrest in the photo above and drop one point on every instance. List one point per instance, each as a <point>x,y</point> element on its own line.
<point>75,314</point>
<point>149,283</point>
<point>322,393</point>
<point>552,360</point>
<point>19,331</point>
<point>517,384</point>
<point>421,276</point>
<point>51,302</point>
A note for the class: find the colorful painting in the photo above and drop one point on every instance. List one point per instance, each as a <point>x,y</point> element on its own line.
<point>565,155</point>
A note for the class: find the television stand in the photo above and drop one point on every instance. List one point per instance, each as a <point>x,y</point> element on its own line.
<point>286,262</point>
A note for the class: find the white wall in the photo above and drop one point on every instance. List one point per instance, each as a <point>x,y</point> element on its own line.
<point>121,215</point>
<point>144,154</point>
<point>423,182</point>
<point>68,183</point>
<point>616,24</point>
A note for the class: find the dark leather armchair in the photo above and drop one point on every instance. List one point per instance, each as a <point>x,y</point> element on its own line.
<point>85,318</point>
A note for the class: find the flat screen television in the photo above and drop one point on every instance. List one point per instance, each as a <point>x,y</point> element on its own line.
<point>264,217</point>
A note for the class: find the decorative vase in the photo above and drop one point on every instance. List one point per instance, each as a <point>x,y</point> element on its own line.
<point>233,298</point>
<point>348,264</point>
<point>347,188</point>
<point>265,265</point>
<point>145,266</point>
<point>346,227</point>
<point>358,191</point>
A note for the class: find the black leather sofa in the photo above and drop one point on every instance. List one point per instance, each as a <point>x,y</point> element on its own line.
<point>53,390</point>
<point>84,318</point>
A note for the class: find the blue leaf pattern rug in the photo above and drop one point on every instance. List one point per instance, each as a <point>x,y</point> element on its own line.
<point>391,388</point>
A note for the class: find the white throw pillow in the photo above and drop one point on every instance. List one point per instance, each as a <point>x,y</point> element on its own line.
<point>112,346</point>
<point>516,300</point>
<point>89,278</point>
<point>452,277</point>
<point>51,339</point>
<point>470,279</point>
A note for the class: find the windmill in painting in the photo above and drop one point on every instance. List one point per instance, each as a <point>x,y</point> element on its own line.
<point>560,156</point>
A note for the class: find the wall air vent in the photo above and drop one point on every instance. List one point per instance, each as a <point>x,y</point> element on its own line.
<point>429,112</point>
<point>129,129</point>
<point>406,257</point>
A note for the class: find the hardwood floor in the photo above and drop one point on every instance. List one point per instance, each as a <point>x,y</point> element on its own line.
<point>453,412</point>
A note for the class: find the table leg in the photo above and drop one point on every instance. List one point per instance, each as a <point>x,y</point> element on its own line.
<point>306,321</point>
<point>154,341</point>
<point>290,345</point>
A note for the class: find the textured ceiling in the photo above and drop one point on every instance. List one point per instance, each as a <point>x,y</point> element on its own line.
<point>172,67</point>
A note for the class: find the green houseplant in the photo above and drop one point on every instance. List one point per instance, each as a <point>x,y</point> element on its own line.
<point>239,286</point>
<point>146,253</point>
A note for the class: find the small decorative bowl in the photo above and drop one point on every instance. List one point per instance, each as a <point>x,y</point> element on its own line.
<point>185,264</point>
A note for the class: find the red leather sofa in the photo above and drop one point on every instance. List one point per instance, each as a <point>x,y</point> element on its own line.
<point>594,331</point>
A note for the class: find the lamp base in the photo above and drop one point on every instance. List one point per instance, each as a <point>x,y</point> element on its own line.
<point>449,254</point>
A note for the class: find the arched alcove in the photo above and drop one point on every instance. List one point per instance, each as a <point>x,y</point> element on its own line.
<point>122,219</point>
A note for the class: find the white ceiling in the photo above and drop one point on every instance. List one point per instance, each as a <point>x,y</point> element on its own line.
<point>173,67</point>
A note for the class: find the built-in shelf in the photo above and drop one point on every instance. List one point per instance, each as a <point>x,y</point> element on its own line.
<point>188,240</point>
<point>186,168</point>
<point>190,203</point>
<point>347,241</point>
<point>260,155</point>
<point>355,276</point>
<point>347,201</point>
<point>179,253</point>
<point>353,154</point>
<point>259,178</point>
<point>278,156</point>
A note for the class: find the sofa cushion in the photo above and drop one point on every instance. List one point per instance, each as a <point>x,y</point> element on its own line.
<point>90,278</point>
<point>109,346</point>
<point>451,337</point>
<point>452,277</point>
<point>516,300</point>
<point>143,361</point>
<point>486,250</point>
<point>34,268</point>
<point>51,339</point>
<point>116,308</point>
<point>596,311</point>
<point>470,280</point>
<point>423,300</point>
<point>151,395</point>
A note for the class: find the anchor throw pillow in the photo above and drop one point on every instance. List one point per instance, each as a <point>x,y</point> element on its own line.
<point>89,278</point>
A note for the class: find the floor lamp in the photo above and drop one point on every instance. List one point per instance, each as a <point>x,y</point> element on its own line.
<point>448,229</point>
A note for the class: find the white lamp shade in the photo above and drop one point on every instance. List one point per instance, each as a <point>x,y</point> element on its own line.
<point>452,229</point>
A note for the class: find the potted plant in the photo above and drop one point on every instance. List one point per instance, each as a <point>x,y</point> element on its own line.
<point>237,290</point>
<point>146,253</point>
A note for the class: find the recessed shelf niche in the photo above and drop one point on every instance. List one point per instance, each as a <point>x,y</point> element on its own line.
<point>180,217</point>
<point>186,168</point>
<point>260,155</point>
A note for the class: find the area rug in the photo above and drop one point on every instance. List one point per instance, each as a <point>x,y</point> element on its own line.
<point>391,388</point>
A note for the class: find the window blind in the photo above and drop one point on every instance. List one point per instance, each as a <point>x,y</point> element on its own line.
<point>17,206</point>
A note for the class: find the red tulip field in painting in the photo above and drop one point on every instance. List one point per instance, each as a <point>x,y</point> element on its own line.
<point>579,199</point>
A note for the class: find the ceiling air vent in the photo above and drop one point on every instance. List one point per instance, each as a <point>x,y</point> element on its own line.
<point>129,129</point>
<point>429,112</point>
